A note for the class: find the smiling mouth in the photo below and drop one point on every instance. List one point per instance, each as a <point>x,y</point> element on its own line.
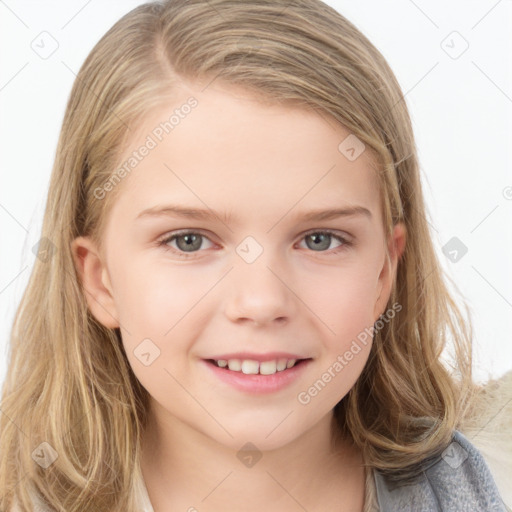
<point>252,367</point>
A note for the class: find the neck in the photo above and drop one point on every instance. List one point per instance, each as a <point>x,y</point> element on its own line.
<point>185,470</point>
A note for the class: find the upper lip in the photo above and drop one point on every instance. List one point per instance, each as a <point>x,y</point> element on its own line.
<point>269,356</point>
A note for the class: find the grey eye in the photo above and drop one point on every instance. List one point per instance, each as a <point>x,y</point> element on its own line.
<point>191,242</point>
<point>321,241</point>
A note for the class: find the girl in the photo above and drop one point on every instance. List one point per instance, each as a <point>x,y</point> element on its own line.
<point>188,339</point>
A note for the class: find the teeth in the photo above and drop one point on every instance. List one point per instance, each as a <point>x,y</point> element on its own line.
<point>251,367</point>
<point>268,367</point>
<point>281,365</point>
<point>235,365</point>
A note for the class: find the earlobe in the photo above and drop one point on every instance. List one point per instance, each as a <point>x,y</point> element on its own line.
<point>95,281</point>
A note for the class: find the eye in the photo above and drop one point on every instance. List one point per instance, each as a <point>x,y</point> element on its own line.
<point>189,242</point>
<point>186,242</point>
<point>319,241</point>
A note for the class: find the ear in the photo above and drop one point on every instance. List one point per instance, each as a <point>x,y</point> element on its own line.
<point>396,246</point>
<point>95,281</point>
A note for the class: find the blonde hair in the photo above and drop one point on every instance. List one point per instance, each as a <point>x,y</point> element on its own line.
<point>69,382</point>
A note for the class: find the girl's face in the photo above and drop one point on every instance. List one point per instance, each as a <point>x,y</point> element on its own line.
<point>216,250</point>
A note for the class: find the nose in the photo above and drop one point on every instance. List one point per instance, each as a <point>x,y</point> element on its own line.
<point>259,293</point>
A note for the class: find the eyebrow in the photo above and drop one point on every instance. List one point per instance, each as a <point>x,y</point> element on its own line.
<point>208,214</point>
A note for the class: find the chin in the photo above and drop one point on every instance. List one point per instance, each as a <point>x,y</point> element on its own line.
<point>265,436</point>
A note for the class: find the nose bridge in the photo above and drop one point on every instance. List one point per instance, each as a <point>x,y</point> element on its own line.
<point>257,290</point>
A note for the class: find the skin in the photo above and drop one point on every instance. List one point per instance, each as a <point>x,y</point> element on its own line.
<point>266,166</point>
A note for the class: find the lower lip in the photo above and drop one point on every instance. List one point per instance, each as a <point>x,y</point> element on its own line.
<point>258,383</point>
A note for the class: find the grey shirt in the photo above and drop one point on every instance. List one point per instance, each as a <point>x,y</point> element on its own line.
<point>459,480</point>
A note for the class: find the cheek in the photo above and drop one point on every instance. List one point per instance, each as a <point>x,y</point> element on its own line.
<point>343,300</point>
<point>151,299</point>
<point>346,307</point>
<point>156,312</point>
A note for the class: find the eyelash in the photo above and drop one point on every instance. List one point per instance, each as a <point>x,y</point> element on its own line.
<point>182,254</point>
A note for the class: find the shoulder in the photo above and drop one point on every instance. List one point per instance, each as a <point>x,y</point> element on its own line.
<point>459,479</point>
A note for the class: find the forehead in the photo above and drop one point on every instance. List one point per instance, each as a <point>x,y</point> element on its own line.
<point>225,148</point>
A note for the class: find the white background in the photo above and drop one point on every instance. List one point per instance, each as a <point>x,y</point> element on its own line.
<point>461,110</point>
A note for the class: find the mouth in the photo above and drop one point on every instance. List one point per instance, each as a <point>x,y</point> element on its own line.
<point>254,377</point>
<point>252,367</point>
